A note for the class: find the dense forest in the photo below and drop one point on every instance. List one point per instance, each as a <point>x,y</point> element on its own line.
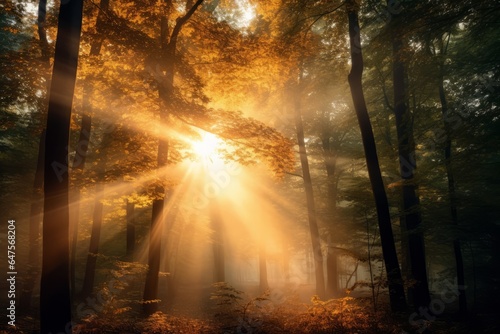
<point>248,166</point>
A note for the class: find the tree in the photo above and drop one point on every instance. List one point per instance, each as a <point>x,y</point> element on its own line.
<point>84,139</point>
<point>411,215</point>
<point>457,249</point>
<point>55,302</point>
<point>165,91</point>
<point>308,187</point>
<point>396,290</point>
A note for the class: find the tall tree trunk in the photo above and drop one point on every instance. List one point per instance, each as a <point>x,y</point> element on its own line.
<point>171,260</point>
<point>311,208</point>
<point>396,290</point>
<point>88,279</point>
<point>263,283</point>
<point>78,166</point>
<point>332,287</point>
<point>83,142</point>
<point>218,243</point>
<point>332,273</point>
<point>130,209</point>
<point>462,299</point>
<point>151,286</point>
<point>95,236</point>
<point>407,165</point>
<point>165,91</point>
<point>55,300</point>
<point>36,200</point>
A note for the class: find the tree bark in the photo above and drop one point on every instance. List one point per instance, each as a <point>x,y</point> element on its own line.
<point>407,165</point>
<point>311,207</point>
<point>396,290</point>
<point>55,300</point>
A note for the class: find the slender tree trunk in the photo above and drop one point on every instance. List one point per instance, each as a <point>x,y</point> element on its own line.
<point>165,91</point>
<point>88,280</point>
<point>332,288</point>
<point>95,236</point>
<point>263,284</point>
<point>407,165</point>
<point>332,284</point>
<point>286,261</point>
<point>151,286</point>
<point>130,208</point>
<point>78,166</point>
<point>83,142</point>
<point>462,299</point>
<point>55,300</point>
<point>218,243</point>
<point>396,290</point>
<point>311,208</point>
<point>171,261</point>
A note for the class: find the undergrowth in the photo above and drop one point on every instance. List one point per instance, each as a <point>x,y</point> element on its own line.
<point>117,309</point>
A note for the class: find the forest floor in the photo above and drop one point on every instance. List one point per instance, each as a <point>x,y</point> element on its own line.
<point>193,311</point>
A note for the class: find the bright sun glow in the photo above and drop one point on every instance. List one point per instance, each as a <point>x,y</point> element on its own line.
<point>207,147</point>
<point>247,13</point>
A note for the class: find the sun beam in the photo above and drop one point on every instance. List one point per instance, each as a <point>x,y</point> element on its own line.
<point>206,148</point>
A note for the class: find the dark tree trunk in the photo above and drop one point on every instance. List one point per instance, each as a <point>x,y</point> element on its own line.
<point>151,286</point>
<point>130,208</point>
<point>55,300</point>
<point>407,164</point>
<point>88,280</point>
<point>462,299</point>
<point>396,290</point>
<point>311,208</point>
